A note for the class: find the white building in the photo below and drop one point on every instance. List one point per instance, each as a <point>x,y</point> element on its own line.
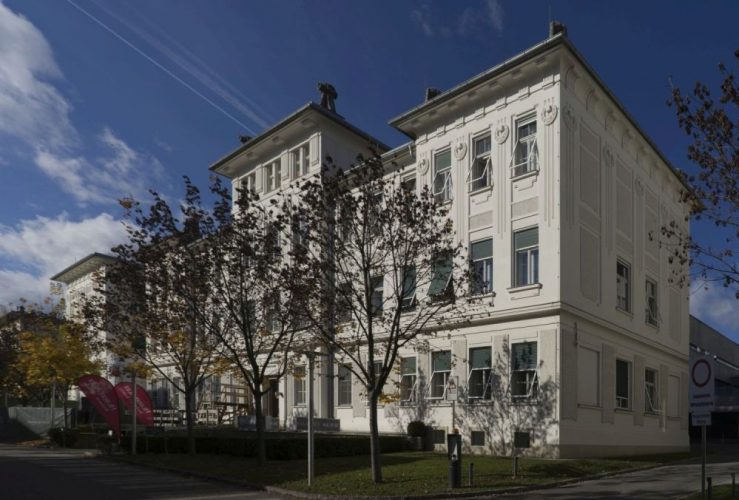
<point>220,398</point>
<point>559,196</point>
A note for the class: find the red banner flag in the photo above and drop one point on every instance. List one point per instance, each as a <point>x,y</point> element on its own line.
<point>103,397</point>
<point>144,408</point>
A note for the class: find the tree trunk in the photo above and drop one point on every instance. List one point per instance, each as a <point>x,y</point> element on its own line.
<point>375,440</point>
<point>261,445</point>
<point>189,421</point>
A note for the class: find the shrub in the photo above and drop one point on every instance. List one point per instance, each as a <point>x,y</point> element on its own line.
<point>416,429</point>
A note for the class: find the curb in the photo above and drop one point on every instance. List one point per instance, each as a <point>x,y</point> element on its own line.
<point>319,496</point>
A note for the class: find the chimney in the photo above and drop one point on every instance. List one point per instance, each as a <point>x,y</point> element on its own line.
<point>556,27</point>
<point>328,96</point>
<point>432,92</point>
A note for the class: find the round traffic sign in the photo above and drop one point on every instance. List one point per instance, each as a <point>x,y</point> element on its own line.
<point>701,373</point>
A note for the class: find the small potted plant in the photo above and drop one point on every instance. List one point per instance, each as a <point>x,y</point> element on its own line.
<point>416,435</point>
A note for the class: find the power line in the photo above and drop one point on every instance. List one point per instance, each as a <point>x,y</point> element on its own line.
<point>160,66</point>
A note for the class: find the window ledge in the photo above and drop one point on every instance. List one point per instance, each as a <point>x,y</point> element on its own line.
<point>481,190</point>
<point>525,291</point>
<point>654,414</point>
<point>589,407</point>
<point>652,325</point>
<point>524,176</point>
<point>482,296</point>
<point>624,311</point>
<point>625,411</point>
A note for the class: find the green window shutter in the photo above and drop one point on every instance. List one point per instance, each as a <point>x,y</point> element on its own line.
<point>480,357</point>
<point>408,366</point>
<point>481,249</point>
<point>409,283</point>
<point>524,356</point>
<point>443,160</point>
<point>442,272</point>
<point>441,361</point>
<point>526,238</point>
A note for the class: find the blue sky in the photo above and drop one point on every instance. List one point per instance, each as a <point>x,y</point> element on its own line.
<point>100,100</point>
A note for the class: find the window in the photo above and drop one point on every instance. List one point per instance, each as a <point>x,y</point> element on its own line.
<point>652,311</point>
<point>274,241</point>
<point>408,185</point>
<point>524,376</point>
<point>623,384</point>
<point>481,256</point>
<point>478,385</point>
<point>299,232</point>
<point>623,286</point>
<point>526,157</point>
<point>299,381</point>
<point>272,176</point>
<point>481,169</point>
<point>249,183</point>
<point>443,176</point>
<point>273,317</point>
<point>377,300</point>
<point>345,385</point>
<point>441,287</point>
<point>409,288</point>
<point>477,438</point>
<point>300,158</point>
<point>651,392</point>
<point>441,367</point>
<point>344,303</point>
<point>438,436</point>
<point>526,248</point>
<point>408,379</point>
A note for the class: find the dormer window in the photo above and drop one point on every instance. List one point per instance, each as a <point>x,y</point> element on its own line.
<point>300,159</point>
<point>272,176</point>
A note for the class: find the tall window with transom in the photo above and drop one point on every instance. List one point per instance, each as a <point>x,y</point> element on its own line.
<point>481,170</point>
<point>443,176</point>
<point>526,156</point>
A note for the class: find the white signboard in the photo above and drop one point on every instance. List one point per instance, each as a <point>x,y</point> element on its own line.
<point>452,389</point>
<point>700,419</point>
<point>701,385</point>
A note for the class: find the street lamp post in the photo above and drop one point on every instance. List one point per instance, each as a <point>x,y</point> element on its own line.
<point>311,448</point>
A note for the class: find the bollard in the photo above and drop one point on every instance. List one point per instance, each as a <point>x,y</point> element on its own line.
<point>455,474</point>
<point>709,488</point>
<point>515,466</point>
<point>469,473</point>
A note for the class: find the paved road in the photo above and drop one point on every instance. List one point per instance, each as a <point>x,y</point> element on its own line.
<point>672,481</point>
<point>30,473</point>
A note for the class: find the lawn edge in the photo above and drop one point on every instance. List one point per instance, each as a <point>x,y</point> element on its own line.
<point>323,496</point>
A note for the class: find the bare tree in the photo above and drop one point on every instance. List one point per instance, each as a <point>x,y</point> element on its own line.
<point>712,126</point>
<point>257,289</point>
<point>156,303</point>
<point>385,267</point>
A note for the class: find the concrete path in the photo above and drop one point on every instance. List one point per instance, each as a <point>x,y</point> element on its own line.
<point>669,482</point>
<point>32,473</point>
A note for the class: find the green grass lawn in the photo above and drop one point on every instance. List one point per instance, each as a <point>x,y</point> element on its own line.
<point>407,473</point>
<point>722,492</point>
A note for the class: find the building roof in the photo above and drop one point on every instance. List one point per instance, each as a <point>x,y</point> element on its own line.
<point>550,43</point>
<point>308,108</point>
<point>84,266</point>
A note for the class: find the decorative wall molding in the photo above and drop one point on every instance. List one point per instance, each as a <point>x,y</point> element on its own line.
<point>460,149</point>
<point>639,186</point>
<point>568,116</point>
<point>607,155</point>
<point>501,133</point>
<point>423,165</point>
<point>548,113</point>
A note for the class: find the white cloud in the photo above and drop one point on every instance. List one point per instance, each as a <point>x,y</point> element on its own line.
<point>123,171</point>
<point>473,21</point>
<point>31,108</point>
<point>36,249</point>
<point>715,305</point>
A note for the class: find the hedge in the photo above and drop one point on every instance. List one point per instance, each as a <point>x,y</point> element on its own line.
<point>278,448</point>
